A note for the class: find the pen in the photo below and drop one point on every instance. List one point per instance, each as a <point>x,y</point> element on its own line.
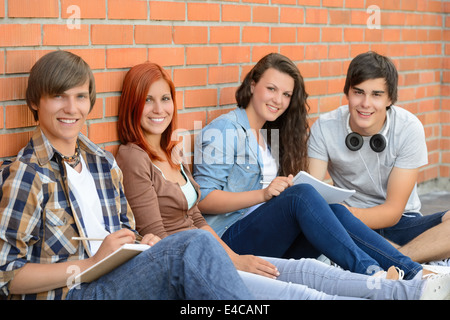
<point>88,239</point>
<point>265,182</point>
<point>95,239</point>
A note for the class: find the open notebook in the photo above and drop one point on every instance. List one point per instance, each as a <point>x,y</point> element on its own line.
<point>115,259</point>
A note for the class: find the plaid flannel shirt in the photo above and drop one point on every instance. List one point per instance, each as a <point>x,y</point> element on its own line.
<point>39,215</point>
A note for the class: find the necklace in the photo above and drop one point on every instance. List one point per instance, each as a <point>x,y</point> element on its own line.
<point>73,160</point>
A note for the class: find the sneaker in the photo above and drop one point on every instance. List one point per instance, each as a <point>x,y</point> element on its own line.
<point>326,260</point>
<point>444,263</point>
<point>436,268</point>
<point>323,258</point>
<point>437,287</point>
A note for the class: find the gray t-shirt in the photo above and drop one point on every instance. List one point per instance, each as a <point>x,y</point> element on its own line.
<point>366,171</point>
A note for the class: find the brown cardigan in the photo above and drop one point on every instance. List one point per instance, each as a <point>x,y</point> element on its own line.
<point>158,205</point>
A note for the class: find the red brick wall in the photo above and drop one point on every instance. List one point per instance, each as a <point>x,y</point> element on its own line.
<point>209,46</point>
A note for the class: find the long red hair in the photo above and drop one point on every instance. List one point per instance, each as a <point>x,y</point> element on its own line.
<point>135,88</point>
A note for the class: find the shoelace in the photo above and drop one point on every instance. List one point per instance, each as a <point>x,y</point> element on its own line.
<point>430,276</point>
<point>401,273</point>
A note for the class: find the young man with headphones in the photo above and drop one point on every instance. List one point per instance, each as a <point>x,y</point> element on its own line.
<point>377,148</point>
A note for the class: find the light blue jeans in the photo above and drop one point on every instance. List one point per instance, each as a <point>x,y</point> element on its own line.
<point>187,265</point>
<point>310,279</point>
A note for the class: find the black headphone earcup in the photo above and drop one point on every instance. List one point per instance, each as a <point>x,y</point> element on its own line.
<point>378,143</point>
<point>354,141</point>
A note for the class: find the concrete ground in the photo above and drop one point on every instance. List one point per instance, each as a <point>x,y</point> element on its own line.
<point>435,201</point>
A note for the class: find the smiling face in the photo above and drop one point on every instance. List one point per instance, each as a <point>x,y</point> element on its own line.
<point>367,103</point>
<point>62,116</point>
<point>271,96</point>
<point>158,111</point>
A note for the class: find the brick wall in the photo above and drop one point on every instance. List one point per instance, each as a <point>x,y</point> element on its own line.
<point>208,46</point>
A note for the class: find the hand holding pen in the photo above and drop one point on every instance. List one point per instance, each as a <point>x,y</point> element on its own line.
<point>117,239</point>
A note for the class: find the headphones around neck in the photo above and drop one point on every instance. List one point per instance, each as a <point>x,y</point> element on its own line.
<point>354,141</point>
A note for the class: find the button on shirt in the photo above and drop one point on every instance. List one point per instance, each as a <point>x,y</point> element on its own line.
<point>39,214</point>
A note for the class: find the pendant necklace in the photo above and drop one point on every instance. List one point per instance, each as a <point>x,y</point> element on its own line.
<point>73,160</point>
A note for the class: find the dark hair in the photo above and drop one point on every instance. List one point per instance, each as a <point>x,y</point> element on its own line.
<point>293,124</point>
<point>55,73</point>
<point>371,65</point>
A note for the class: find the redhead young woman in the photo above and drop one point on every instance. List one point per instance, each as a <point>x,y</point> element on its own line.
<point>164,197</point>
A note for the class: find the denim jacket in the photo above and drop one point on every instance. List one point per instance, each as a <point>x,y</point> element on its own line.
<point>227,158</point>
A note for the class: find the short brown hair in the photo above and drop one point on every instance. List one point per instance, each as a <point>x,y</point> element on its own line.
<point>55,73</point>
<point>371,65</point>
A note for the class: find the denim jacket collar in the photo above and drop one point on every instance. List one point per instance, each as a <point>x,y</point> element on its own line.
<point>242,119</point>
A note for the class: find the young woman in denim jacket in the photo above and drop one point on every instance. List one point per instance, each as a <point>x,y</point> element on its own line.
<point>263,141</point>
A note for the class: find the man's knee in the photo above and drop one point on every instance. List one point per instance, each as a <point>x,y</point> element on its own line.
<point>195,238</point>
<point>189,235</point>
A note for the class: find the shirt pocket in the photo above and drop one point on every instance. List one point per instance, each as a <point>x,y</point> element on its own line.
<point>244,177</point>
<point>59,229</point>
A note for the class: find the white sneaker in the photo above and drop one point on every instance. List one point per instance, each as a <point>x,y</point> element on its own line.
<point>444,262</point>
<point>437,287</point>
<point>326,260</point>
<point>323,258</point>
<point>443,269</point>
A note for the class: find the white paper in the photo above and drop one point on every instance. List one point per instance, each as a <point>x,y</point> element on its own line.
<point>330,193</point>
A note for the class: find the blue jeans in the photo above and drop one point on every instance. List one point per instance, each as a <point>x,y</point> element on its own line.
<point>186,265</point>
<point>299,223</point>
<point>411,225</point>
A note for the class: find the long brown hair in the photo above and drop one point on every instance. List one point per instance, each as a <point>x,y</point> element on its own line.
<point>292,125</point>
<point>135,88</point>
